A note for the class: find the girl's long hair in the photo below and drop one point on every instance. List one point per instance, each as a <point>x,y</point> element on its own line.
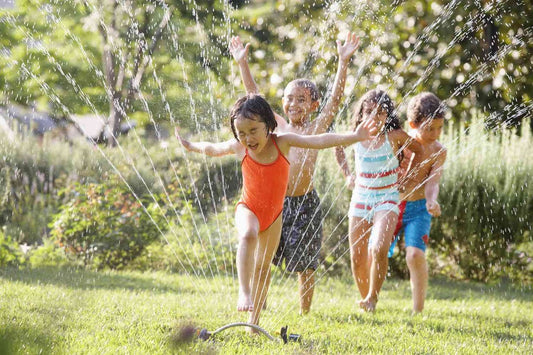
<point>381,99</point>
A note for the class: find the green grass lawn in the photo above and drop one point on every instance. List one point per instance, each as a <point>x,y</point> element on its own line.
<point>65,311</point>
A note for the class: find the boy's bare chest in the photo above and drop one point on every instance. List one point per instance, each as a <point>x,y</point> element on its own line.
<point>302,158</point>
<point>421,165</point>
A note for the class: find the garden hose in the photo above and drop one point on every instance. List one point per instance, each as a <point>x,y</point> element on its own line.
<point>204,334</point>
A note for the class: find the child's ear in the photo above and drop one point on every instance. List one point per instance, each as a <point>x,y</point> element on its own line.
<point>413,125</point>
<point>314,105</point>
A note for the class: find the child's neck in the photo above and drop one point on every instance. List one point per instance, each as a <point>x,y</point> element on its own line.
<point>301,124</point>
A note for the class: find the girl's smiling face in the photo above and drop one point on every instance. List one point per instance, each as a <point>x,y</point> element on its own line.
<point>376,113</point>
<point>252,133</point>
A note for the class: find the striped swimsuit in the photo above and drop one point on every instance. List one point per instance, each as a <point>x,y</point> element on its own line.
<point>376,184</point>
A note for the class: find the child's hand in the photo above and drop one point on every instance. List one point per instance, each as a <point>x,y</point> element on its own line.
<point>238,51</point>
<point>185,143</point>
<point>350,182</point>
<point>366,129</point>
<point>433,208</point>
<point>349,47</point>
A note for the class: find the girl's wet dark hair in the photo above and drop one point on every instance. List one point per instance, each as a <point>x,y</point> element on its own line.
<point>381,99</point>
<point>253,107</point>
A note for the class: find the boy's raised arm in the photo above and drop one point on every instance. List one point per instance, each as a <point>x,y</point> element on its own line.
<point>212,149</point>
<point>240,54</point>
<point>345,52</point>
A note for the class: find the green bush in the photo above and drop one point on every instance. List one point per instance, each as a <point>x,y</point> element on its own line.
<point>487,201</point>
<point>10,253</point>
<point>47,254</point>
<point>193,246</point>
<point>104,225</point>
<point>32,173</point>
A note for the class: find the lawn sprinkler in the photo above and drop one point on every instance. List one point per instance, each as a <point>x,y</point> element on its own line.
<point>204,334</point>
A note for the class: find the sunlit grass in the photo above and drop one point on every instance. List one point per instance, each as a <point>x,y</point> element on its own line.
<point>67,311</point>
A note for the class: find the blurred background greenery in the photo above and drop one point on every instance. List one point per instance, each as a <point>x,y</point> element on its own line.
<point>158,64</point>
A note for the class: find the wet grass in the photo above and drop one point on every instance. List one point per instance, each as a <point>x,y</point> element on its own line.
<point>63,311</point>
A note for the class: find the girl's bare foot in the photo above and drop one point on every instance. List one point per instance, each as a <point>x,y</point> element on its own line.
<point>368,304</point>
<point>304,312</point>
<point>245,304</point>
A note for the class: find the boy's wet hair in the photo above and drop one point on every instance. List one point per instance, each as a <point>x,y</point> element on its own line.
<point>381,99</point>
<point>308,84</point>
<point>424,106</point>
<point>252,107</point>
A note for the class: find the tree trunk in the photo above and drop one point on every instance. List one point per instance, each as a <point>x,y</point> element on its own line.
<point>116,115</point>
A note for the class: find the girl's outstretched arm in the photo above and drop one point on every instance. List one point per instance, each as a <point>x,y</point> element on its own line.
<point>327,140</point>
<point>340,156</point>
<point>231,146</point>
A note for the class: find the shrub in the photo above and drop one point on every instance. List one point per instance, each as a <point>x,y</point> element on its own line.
<point>10,253</point>
<point>104,225</point>
<point>487,201</point>
<point>193,245</point>
<point>47,254</point>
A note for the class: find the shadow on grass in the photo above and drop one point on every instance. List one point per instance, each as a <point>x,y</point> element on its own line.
<point>22,340</point>
<point>86,279</point>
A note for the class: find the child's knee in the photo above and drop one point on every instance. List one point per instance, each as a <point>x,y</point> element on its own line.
<point>379,251</point>
<point>248,235</point>
<point>414,256</point>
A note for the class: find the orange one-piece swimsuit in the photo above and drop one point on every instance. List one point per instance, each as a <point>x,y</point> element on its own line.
<point>264,187</point>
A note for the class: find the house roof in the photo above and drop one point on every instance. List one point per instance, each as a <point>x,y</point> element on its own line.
<point>39,122</point>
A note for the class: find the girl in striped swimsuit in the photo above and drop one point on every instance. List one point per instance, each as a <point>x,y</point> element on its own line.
<point>373,212</point>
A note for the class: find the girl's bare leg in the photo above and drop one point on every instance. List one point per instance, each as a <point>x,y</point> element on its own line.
<point>359,230</point>
<point>267,245</point>
<point>418,271</point>
<point>382,233</point>
<point>247,231</point>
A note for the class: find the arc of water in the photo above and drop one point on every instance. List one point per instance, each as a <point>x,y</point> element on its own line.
<point>192,103</point>
<point>278,319</point>
<point>435,60</point>
<point>144,149</point>
<point>49,92</point>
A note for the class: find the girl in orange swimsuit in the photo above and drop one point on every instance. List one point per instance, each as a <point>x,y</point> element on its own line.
<point>265,176</point>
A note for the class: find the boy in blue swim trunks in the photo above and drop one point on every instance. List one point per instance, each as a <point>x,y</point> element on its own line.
<point>419,189</point>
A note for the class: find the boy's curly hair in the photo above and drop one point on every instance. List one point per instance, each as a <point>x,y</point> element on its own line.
<point>424,106</point>
<point>380,98</point>
<point>308,84</point>
<point>252,107</point>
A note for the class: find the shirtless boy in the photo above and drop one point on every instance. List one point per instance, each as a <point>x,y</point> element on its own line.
<point>420,189</point>
<point>301,236</point>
